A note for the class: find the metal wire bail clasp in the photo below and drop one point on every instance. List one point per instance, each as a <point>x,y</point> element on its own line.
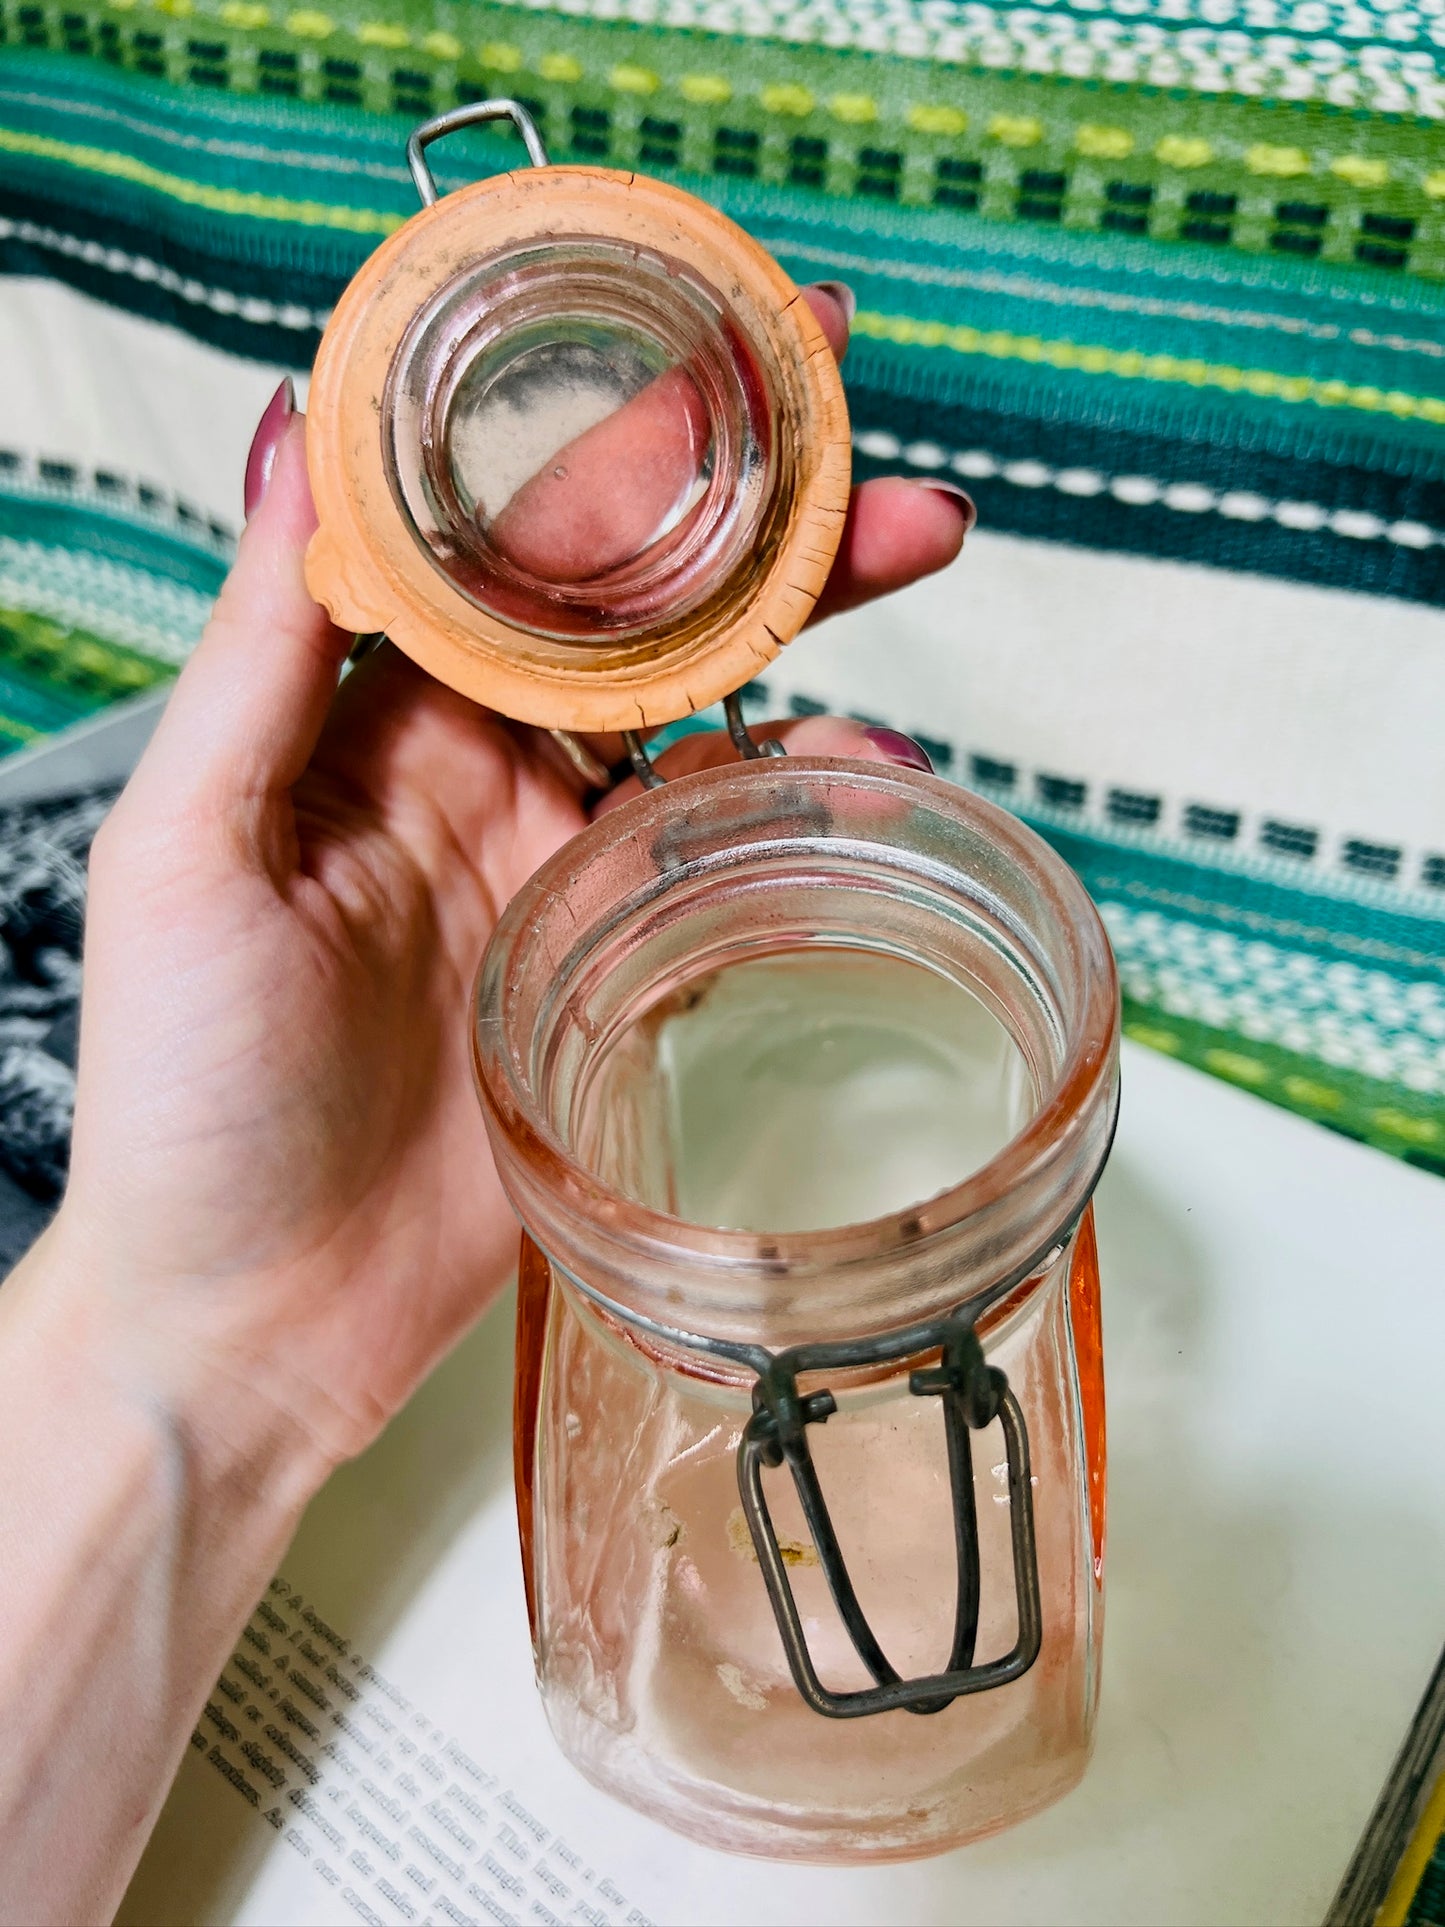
<point>973,1393</point>
<point>652,778</point>
<point>471,115</point>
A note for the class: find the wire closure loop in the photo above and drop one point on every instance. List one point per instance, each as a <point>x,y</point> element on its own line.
<point>652,778</point>
<point>973,1395</point>
<point>471,115</point>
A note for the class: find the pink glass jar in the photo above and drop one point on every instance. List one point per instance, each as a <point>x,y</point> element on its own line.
<point>857,1626</point>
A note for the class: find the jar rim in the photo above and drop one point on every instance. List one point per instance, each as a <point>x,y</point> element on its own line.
<point>1060,1149</point>
<point>568,324</point>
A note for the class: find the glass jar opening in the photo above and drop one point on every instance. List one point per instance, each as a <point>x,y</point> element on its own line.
<point>582,439</point>
<point>752,869</point>
<point>801,1089</point>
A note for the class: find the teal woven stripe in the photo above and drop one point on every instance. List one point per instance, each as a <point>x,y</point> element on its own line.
<point>1330,1006</point>
<point>334,157</point>
<point>166,552</point>
<point>97,603</point>
<point>33,706</point>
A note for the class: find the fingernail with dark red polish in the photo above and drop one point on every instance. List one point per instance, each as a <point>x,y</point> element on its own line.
<point>265,442</point>
<point>899,748</point>
<point>844,296</point>
<point>959,495</point>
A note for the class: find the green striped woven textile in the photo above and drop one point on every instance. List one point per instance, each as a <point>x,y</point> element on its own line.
<point>1323,997</point>
<point>104,588</point>
<point>1158,277</point>
<point>1326,999</point>
<point>1215,323</point>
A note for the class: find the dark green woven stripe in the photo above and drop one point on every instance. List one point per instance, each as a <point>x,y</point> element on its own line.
<point>1427,1909</point>
<point>62,228</point>
<point>1374,567</point>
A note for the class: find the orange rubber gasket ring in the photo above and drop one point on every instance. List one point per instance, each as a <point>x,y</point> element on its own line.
<point>364,564</point>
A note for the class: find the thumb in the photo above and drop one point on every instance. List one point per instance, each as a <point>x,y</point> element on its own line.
<point>249,705</point>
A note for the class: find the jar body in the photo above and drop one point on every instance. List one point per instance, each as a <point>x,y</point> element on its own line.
<point>660,1665</point>
<point>682,1025</point>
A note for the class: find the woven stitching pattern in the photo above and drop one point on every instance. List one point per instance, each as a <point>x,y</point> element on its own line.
<point>1326,1000</point>
<point>105,586</point>
<point>1276,413</point>
<point>1199,319</point>
<point>1254,162</point>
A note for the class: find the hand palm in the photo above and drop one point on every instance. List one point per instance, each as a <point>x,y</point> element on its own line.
<point>319,1123</point>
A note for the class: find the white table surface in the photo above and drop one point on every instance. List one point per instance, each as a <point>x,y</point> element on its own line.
<point>1275,1330</point>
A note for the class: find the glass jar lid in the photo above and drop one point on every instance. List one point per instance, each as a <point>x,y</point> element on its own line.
<point>580,438</point>
<point>579,447</point>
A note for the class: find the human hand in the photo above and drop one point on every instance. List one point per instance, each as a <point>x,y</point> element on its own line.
<point>280,1180</point>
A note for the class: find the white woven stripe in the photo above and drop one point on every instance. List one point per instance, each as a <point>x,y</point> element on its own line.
<point>162,620</point>
<point>1144,491</point>
<point>223,301</point>
<point>1329,50</point>
<point>1352,1018</point>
